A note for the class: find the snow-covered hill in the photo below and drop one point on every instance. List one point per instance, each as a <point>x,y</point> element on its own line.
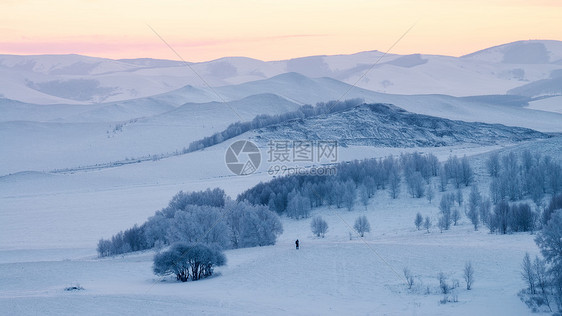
<point>389,126</point>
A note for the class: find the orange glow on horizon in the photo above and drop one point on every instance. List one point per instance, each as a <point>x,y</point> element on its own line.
<point>270,30</point>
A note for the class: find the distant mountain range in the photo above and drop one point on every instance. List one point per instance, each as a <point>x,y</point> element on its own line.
<point>531,68</point>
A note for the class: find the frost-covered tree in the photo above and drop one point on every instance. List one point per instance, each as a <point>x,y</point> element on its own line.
<point>319,226</point>
<point>186,260</point>
<point>418,221</point>
<point>485,212</point>
<point>173,261</point>
<point>549,240</point>
<point>459,197</point>
<point>427,223</point>
<point>445,207</point>
<point>349,195</point>
<point>252,226</point>
<point>473,212</point>
<point>394,184</point>
<point>555,177</point>
<point>501,216</point>
<point>364,195</point>
<point>298,206</point>
<point>362,225</point>
<point>104,248</point>
<point>455,216</point>
<point>468,275</point>
<point>555,204</point>
<point>493,165</point>
<point>416,184</point>
<point>528,273</point>
<point>197,224</point>
<point>429,193</point>
<point>443,180</point>
<point>543,279</point>
<point>521,218</point>
<point>467,175</point>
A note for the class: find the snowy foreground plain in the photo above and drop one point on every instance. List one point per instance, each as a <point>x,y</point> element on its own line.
<point>48,248</point>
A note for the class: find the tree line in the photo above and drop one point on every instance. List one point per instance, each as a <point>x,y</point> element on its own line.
<point>296,195</point>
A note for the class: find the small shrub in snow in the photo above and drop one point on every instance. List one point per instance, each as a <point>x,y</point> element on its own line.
<point>72,288</point>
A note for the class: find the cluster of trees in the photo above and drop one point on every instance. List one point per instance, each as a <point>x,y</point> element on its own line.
<point>458,171</point>
<point>515,177</point>
<point>319,226</point>
<point>420,222</point>
<point>265,120</point>
<point>207,217</point>
<point>296,195</point>
<point>185,260</point>
<point>449,214</point>
<point>517,217</point>
<point>544,276</point>
<point>503,217</point>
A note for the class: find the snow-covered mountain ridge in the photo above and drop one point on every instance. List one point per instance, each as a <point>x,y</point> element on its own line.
<point>47,79</point>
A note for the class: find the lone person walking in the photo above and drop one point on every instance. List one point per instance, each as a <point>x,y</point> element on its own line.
<point>297,244</point>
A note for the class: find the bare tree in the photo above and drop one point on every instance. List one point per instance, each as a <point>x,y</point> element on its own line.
<point>468,275</point>
<point>528,273</point>
<point>418,221</point>
<point>409,277</point>
<point>443,285</point>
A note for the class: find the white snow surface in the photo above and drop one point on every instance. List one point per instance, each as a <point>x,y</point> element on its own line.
<point>50,223</point>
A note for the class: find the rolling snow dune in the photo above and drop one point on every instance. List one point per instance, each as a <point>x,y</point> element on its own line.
<point>61,144</point>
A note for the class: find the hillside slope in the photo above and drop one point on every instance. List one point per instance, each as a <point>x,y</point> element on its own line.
<point>389,126</point>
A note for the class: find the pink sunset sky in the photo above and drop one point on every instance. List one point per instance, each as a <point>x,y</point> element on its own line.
<point>270,30</point>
